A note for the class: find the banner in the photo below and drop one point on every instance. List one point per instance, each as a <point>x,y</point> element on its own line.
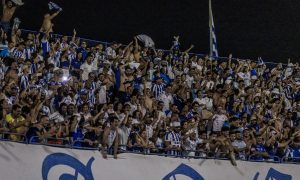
<point>38,162</point>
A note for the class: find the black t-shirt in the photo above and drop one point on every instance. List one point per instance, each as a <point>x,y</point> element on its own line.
<point>32,131</point>
<point>93,137</point>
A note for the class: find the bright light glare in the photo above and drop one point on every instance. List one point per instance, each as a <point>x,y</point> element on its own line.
<point>64,78</point>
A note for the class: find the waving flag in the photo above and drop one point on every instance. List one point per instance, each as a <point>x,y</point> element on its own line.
<point>18,2</point>
<point>148,42</point>
<point>213,38</point>
<point>53,6</point>
<point>260,61</point>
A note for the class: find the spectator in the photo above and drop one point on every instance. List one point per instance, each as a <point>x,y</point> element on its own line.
<point>110,140</point>
<point>238,144</point>
<point>16,122</point>
<point>171,102</point>
<point>9,9</point>
<point>47,22</point>
<point>258,150</point>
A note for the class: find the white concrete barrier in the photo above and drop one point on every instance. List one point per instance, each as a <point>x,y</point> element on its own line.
<point>37,162</point>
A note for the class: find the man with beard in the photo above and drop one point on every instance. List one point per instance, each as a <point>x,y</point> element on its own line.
<point>16,122</point>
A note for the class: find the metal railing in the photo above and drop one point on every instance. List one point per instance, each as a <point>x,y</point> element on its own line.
<point>167,152</point>
<point>291,160</point>
<point>258,158</point>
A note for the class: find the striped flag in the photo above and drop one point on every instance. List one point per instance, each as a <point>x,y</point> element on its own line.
<point>53,6</point>
<point>213,38</point>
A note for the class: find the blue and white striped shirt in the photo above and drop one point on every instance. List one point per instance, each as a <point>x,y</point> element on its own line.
<point>16,53</point>
<point>174,138</point>
<point>28,52</point>
<point>33,68</point>
<point>45,46</point>
<point>157,89</point>
<point>24,82</point>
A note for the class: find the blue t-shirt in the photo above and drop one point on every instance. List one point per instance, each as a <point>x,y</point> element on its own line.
<point>76,63</point>
<point>78,136</point>
<point>83,52</point>
<point>296,151</point>
<point>272,149</point>
<point>166,78</point>
<point>258,148</point>
<point>65,64</point>
<point>137,82</point>
<point>253,72</point>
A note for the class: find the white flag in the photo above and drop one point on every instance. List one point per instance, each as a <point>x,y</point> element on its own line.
<point>148,42</point>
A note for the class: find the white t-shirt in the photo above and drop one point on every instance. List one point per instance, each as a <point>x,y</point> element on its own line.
<point>240,144</point>
<point>111,52</point>
<point>124,133</point>
<point>86,70</point>
<point>189,80</point>
<point>192,144</point>
<point>206,101</point>
<point>102,95</point>
<point>218,121</point>
<point>149,130</point>
<point>167,99</point>
<point>210,85</point>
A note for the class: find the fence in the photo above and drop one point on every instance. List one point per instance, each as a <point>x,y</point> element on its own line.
<point>197,154</point>
<point>106,44</point>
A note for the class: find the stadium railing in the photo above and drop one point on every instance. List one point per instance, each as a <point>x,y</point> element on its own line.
<point>273,159</point>
<point>197,154</point>
<point>291,160</point>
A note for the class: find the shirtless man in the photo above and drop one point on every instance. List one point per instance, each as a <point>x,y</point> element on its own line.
<point>110,139</point>
<point>8,12</point>
<point>47,24</point>
<point>126,75</point>
<point>12,74</point>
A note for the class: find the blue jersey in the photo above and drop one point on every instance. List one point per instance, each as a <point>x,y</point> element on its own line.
<point>65,64</point>
<point>293,152</point>
<point>258,148</point>
<point>76,64</point>
<point>24,82</point>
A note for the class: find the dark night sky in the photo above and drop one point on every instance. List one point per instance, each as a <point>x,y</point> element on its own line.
<point>248,29</point>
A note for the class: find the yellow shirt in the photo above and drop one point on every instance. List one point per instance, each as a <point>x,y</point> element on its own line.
<point>10,120</point>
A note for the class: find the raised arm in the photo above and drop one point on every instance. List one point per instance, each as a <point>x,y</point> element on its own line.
<point>229,61</point>
<point>136,45</point>
<point>13,37</point>
<point>74,35</point>
<point>55,14</point>
<point>127,47</point>
<point>189,49</point>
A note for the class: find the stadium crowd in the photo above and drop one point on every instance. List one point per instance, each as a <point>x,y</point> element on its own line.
<point>132,97</point>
